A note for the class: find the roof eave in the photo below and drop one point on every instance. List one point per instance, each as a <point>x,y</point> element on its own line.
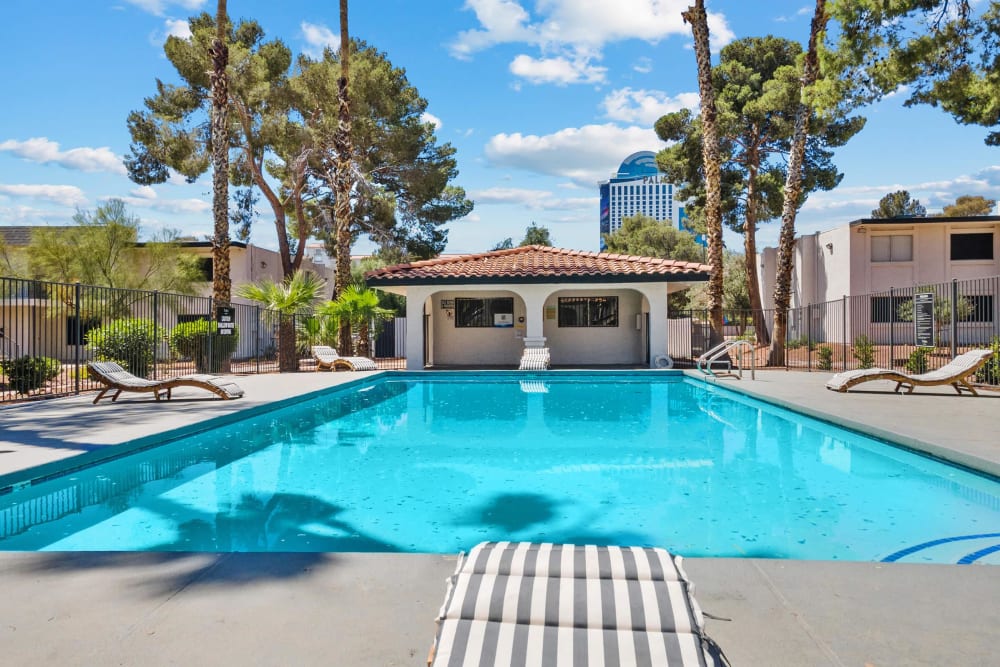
<point>587,279</point>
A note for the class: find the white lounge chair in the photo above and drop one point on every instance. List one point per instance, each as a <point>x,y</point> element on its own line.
<point>113,376</point>
<point>956,373</point>
<point>519,603</point>
<point>535,359</point>
<point>327,359</point>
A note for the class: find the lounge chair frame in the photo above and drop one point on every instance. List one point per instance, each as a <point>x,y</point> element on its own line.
<point>955,373</point>
<point>327,359</point>
<point>116,378</point>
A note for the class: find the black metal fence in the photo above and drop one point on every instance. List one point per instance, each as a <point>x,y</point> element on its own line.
<point>49,331</point>
<point>864,331</point>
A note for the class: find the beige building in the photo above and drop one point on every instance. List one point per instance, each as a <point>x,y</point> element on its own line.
<point>872,256</point>
<point>588,308</point>
<point>876,254</point>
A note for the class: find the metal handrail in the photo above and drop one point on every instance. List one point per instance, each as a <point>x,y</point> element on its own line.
<point>713,355</point>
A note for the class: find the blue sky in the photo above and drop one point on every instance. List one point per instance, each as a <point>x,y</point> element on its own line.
<point>541,99</point>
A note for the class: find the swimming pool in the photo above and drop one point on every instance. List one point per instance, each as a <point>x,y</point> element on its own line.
<point>439,463</point>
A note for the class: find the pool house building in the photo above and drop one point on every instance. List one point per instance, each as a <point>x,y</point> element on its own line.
<point>588,308</point>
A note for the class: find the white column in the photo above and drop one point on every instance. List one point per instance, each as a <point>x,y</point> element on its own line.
<point>534,310</point>
<point>657,297</point>
<point>415,298</point>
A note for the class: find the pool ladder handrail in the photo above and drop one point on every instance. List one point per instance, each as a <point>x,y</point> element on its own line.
<point>713,356</point>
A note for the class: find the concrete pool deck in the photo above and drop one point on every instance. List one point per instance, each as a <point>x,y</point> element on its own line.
<point>378,609</point>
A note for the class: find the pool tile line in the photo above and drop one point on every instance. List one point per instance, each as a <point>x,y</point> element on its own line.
<point>976,555</point>
<point>908,551</point>
<point>21,479</point>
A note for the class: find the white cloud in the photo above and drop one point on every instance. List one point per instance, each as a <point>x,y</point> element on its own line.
<point>901,90</point>
<point>645,106</point>
<point>584,155</point>
<point>502,21</point>
<point>571,34</point>
<point>43,151</point>
<point>559,70</point>
<point>531,199</point>
<point>65,195</point>
<point>177,28</point>
<point>643,65</point>
<point>158,7</point>
<point>145,192</point>
<point>827,210</point>
<point>26,215</point>
<point>183,206</point>
<point>581,25</point>
<point>317,38</point>
<point>432,119</point>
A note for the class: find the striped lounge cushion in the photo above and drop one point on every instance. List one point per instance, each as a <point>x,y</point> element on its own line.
<point>513,603</point>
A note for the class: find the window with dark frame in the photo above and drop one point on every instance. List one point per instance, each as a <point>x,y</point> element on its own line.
<point>86,324</point>
<point>588,311</point>
<point>972,246</point>
<point>980,308</point>
<point>886,308</point>
<point>478,313</point>
<point>205,269</point>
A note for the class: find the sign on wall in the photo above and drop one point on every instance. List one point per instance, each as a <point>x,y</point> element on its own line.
<point>923,319</point>
<point>225,320</point>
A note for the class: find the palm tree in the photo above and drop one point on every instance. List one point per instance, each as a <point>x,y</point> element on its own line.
<point>359,306</point>
<point>344,182</point>
<point>793,187</point>
<point>293,296</point>
<point>711,156</point>
<point>219,52</point>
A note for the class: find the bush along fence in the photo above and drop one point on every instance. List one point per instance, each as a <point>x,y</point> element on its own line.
<point>913,329</point>
<point>49,331</point>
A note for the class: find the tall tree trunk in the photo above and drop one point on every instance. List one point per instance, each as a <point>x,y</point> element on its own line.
<point>342,209</point>
<point>364,339</point>
<point>288,356</point>
<point>221,282</point>
<point>793,188</point>
<point>698,19</point>
<point>750,247</point>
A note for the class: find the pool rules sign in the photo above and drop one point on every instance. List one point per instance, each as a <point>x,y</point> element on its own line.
<point>923,319</point>
<point>225,320</point>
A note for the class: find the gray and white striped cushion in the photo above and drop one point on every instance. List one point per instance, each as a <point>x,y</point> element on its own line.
<point>548,604</point>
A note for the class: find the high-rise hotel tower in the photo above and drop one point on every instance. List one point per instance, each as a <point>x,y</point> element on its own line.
<point>639,187</point>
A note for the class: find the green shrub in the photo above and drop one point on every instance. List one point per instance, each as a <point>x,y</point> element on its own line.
<point>130,342</point>
<point>200,341</point>
<point>825,358</point>
<point>917,363</point>
<point>989,373</point>
<point>801,341</point>
<point>27,373</point>
<point>864,351</point>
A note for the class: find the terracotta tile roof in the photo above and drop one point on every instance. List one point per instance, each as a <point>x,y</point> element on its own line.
<point>538,264</point>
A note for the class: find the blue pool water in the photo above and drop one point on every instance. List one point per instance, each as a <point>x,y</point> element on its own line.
<point>438,465</point>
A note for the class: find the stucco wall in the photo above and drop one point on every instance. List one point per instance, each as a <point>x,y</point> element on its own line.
<point>830,264</point>
<point>474,345</point>
<point>623,344</point>
<point>591,345</point>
